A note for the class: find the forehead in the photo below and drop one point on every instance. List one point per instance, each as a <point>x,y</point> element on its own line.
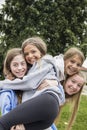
<point>18,58</point>
<point>29,47</point>
<point>76,58</point>
<point>78,78</point>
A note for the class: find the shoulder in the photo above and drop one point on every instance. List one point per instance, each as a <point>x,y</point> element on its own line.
<point>59,57</point>
<point>7,92</point>
<point>47,56</point>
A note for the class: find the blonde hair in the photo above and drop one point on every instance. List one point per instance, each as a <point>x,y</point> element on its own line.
<point>74,100</point>
<point>36,41</point>
<point>72,52</point>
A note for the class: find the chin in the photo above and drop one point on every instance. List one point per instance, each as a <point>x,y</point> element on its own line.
<point>68,95</point>
<point>20,77</point>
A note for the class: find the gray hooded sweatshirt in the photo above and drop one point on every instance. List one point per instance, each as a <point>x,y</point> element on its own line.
<point>45,68</point>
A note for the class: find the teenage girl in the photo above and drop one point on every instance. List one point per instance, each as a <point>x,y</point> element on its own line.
<point>73,86</point>
<point>15,66</point>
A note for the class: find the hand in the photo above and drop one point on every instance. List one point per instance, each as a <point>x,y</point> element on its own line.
<point>18,127</point>
<point>13,128</point>
<point>47,83</point>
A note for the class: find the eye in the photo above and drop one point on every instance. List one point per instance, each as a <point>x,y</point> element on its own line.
<point>80,86</point>
<point>73,81</point>
<point>15,65</point>
<point>23,63</point>
<point>79,65</point>
<point>72,61</point>
<point>33,51</point>
<point>25,54</point>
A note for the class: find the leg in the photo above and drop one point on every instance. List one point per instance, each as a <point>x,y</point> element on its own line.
<point>38,112</point>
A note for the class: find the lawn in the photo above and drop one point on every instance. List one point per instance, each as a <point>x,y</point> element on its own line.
<point>81,119</point>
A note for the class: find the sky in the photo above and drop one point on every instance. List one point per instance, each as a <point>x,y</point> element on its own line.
<point>1,2</point>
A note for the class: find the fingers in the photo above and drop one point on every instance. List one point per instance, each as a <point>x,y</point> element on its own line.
<point>13,128</point>
<point>18,127</point>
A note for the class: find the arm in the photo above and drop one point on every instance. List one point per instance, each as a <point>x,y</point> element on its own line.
<point>5,98</point>
<point>32,80</point>
<point>8,101</point>
<point>47,83</point>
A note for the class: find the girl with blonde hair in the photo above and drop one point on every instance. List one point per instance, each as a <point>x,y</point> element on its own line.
<point>73,86</point>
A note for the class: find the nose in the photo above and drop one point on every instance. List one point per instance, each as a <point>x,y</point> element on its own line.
<point>75,86</point>
<point>29,55</point>
<point>19,66</point>
<point>75,66</point>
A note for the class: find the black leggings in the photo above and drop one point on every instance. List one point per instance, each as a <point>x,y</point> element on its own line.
<point>36,114</point>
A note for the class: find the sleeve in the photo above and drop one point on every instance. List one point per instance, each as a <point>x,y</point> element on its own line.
<point>5,102</point>
<point>32,80</point>
<point>53,126</point>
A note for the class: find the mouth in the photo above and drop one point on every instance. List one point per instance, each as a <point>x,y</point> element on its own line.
<point>72,71</point>
<point>72,90</point>
<point>21,73</point>
<point>32,60</point>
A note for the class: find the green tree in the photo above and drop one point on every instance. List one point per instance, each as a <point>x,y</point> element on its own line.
<point>59,22</point>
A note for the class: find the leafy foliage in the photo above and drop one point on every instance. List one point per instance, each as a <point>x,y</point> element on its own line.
<point>60,23</point>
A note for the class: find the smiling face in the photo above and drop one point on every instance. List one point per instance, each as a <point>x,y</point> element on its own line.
<point>74,84</point>
<point>31,53</point>
<point>18,66</point>
<point>72,65</point>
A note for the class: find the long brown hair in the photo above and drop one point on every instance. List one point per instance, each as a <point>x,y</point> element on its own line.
<point>9,57</point>
<point>7,70</point>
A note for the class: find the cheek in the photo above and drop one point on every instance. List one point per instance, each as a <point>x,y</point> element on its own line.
<point>13,71</point>
<point>78,89</point>
<point>66,67</point>
<point>66,63</point>
<point>26,58</point>
<point>39,56</point>
<point>66,88</point>
<point>26,69</point>
<point>67,85</point>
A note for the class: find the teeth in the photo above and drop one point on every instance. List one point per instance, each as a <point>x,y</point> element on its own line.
<point>73,70</point>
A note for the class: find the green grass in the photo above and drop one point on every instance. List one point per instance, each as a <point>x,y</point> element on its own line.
<point>81,118</point>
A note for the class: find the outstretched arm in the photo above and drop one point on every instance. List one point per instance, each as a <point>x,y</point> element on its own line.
<point>32,80</point>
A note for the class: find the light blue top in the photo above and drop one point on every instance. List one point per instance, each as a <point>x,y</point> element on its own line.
<point>8,101</point>
<point>54,127</point>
